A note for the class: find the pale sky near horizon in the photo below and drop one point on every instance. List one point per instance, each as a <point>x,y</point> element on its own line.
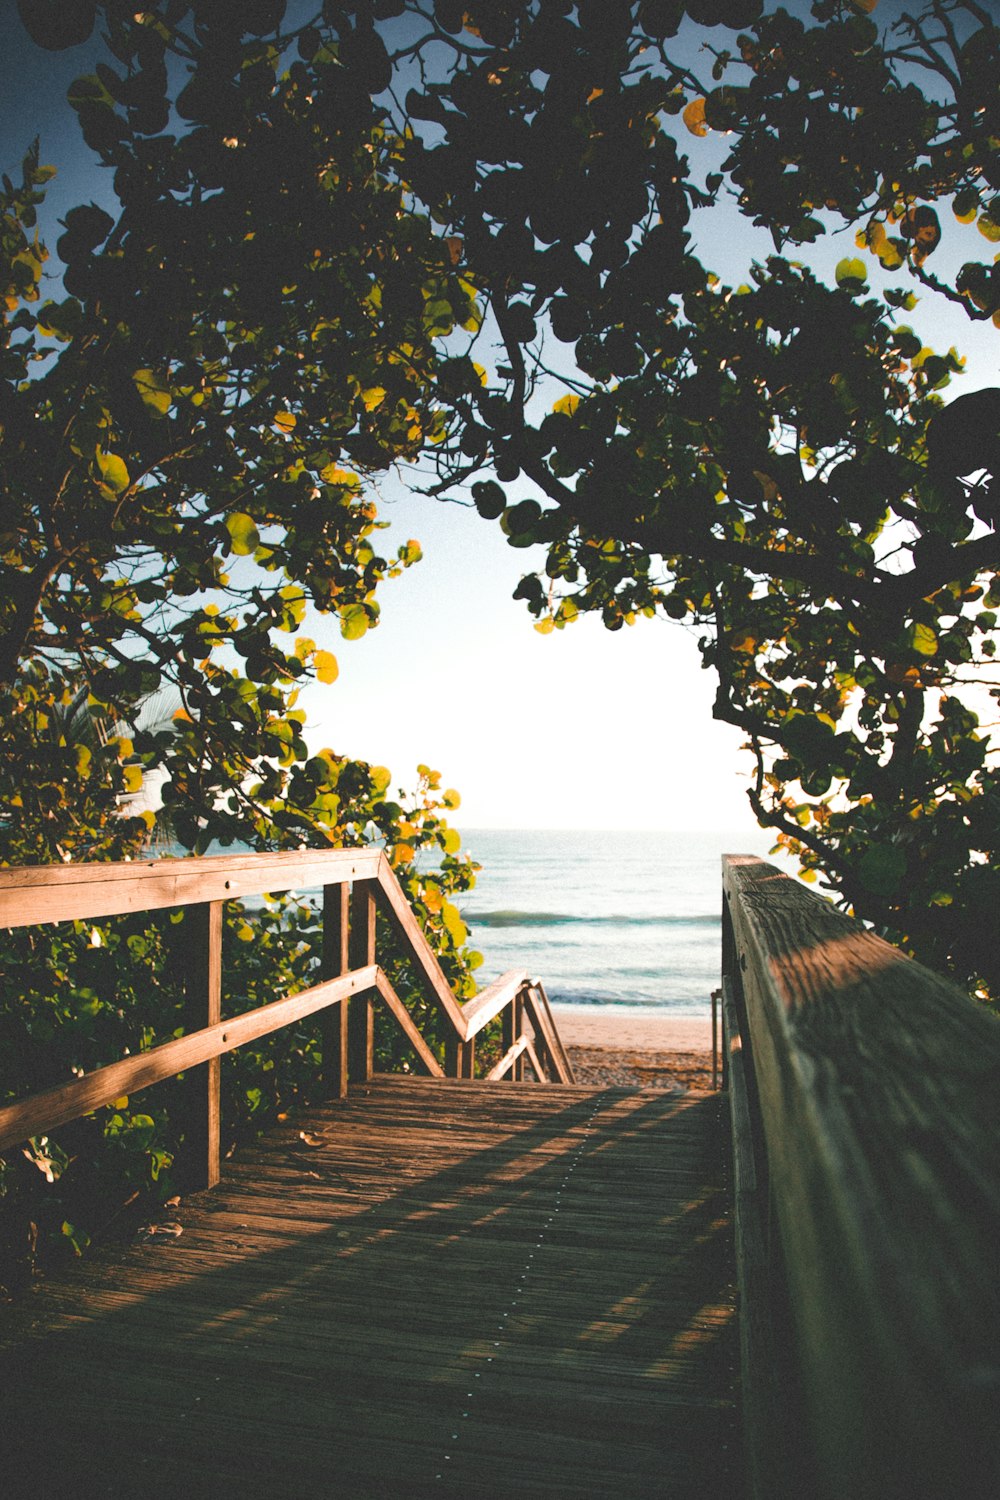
<point>580,728</point>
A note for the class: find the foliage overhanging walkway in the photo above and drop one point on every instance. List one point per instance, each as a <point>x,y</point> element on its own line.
<point>433,1287</point>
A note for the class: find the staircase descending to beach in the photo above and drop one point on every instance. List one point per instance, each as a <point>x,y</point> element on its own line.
<point>516,1285</point>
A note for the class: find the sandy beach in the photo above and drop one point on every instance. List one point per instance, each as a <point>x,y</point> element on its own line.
<point>647,1051</point>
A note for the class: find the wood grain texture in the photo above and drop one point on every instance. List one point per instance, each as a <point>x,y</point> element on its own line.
<point>492,1001</point>
<point>556,1063</point>
<point>506,1063</point>
<point>879,1086</point>
<point>58,893</point>
<point>361,953</point>
<point>415,945</point>
<point>761,1360</point>
<point>564,1068</point>
<point>68,1101</point>
<point>335,960</point>
<point>525,1291</point>
<point>203,1084</point>
<point>405,1022</point>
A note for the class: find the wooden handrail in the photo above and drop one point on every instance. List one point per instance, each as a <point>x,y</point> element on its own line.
<point>68,1101</point>
<point>30,894</point>
<point>53,893</point>
<point>876,1087</point>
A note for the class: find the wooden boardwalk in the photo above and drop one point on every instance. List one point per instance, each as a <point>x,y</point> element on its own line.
<point>431,1288</point>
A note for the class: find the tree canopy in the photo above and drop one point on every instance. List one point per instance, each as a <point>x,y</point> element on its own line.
<point>478,235</point>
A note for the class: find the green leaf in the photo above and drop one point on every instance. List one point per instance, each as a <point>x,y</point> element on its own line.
<point>294,606</point>
<point>353,622</point>
<point>851,273</point>
<point>152,391</point>
<point>244,538</point>
<point>923,640</point>
<point>60,319</point>
<point>881,868</point>
<point>114,474</point>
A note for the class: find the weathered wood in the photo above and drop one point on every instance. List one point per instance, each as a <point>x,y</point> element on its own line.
<point>202,1009</point>
<point>537,1007</point>
<point>336,960</point>
<point>405,1021</point>
<point>361,948</point>
<point>490,1002</point>
<point>45,1111</point>
<point>408,931</point>
<point>320,1322</point>
<point>58,893</point>
<point>534,1059</point>
<point>878,1085</point>
<point>564,1068</point>
<point>503,1067</point>
<point>459,1057</point>
<point>517,1012</point>
<point>759,1359</point>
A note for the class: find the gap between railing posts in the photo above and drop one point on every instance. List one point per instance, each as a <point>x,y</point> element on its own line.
<point>352,882</point>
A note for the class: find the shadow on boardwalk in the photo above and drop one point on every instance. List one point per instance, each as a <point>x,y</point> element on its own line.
<point>435,1289</point>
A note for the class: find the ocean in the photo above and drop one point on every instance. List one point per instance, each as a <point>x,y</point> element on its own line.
<point>604,919</point>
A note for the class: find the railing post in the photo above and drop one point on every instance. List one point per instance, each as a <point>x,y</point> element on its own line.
<point>203,1007</point>
<point>335,961</point>
<point>729,968</point>
<point>517,1012</point>
<point>459,1057</point>
<point>361,951</point>
<point>508,1033</point>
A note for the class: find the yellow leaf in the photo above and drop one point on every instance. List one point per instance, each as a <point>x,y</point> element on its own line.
<point>113,472</point>
<point>285,421</point>
<point>326,666</point>
<point>333,474</point>
<point>567,406</point>
<point>694,117</point>
<point>183,716</point>
<point>373,396</point>
<point>402,854</point>
<point>133,778</point>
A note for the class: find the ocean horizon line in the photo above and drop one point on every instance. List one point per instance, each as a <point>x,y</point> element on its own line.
<point>506,917</point>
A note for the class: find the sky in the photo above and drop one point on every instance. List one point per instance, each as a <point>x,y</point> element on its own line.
<point>581,728</point>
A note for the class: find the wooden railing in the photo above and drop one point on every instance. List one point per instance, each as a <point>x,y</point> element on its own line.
<point>355,883</point>
<point>866,1113</point>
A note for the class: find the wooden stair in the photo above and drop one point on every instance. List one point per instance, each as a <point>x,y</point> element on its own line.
<point>427,1288</point>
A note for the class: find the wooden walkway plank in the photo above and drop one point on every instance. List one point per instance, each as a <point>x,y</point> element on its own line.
<point>460,1290</point>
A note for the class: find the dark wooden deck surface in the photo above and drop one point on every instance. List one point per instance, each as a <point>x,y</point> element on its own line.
<point>444,1289</point>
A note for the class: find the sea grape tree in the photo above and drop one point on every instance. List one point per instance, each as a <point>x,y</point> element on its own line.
<point>766,456</point>
<point>770,460</point>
